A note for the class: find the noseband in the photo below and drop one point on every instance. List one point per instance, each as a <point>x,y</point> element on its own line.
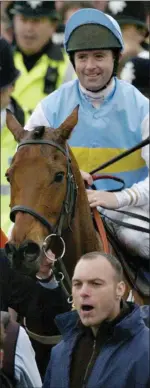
<point>68,207</point>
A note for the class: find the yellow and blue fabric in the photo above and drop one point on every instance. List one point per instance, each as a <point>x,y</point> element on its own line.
<point>103,133</point>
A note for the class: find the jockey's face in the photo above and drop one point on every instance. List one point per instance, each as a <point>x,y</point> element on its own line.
<point>32,34</point>
<point>96,291</point>
<point>94,68</point>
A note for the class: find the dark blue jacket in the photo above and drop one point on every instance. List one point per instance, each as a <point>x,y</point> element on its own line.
<point>122,363</point>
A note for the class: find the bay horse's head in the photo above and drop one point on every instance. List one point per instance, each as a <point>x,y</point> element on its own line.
<point>43,190</point>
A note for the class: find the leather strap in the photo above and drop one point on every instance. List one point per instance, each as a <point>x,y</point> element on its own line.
<point>126,224</point>
<point>44,339</point>
<point>10,342</point>
<point>101,230</point>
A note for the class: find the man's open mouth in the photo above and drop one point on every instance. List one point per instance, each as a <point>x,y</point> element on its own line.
<point>86,307</point>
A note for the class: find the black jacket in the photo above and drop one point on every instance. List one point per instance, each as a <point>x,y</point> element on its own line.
<point>31,300</point>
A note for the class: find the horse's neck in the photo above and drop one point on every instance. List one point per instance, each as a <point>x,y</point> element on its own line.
<point>83,223</point>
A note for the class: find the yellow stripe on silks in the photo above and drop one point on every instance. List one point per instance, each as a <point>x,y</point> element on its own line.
<point>90,158</point>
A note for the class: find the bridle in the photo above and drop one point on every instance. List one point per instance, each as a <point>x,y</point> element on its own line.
<point>68,206</point>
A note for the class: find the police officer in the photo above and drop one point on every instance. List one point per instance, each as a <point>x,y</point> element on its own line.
<point>8,76</point>
<point>40,61</point>
<point>136,71</point>
<point>131,17</point>
<point>134,65</point>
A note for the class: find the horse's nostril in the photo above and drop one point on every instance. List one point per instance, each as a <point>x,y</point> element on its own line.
<point>10,250</point>
<point>31,250</point>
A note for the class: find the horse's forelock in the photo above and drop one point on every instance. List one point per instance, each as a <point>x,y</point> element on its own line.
<point>38,132</point>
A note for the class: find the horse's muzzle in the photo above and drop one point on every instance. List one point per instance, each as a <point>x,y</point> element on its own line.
<point>25,258</point>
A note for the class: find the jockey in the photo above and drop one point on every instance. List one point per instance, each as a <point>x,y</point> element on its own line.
<point>113,116</point>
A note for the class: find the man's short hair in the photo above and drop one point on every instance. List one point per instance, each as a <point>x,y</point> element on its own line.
<point>116,265</point>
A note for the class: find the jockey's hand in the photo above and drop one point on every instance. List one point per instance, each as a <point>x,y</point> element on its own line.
<point>102,198</point>
<point>46,266</point>
<point>87,177</point>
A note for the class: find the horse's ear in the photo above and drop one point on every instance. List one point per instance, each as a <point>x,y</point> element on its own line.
<point>14,127</point>
<point>65,129</point>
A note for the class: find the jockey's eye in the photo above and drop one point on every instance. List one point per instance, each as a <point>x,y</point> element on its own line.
<point>59,176</point>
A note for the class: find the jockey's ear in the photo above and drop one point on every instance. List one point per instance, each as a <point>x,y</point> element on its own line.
<point>65,129</point>
<point>14,126</point>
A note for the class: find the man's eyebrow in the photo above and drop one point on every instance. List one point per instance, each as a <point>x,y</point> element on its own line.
<point>88,280</point>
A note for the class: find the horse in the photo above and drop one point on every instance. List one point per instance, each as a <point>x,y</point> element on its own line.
<point>48,197</point>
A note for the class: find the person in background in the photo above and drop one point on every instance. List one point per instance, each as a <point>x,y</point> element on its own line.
<point>70,7</point>
<point>100,4</point>
<point>40,61</point>
<point>25,373</point>
<point>134,65</point>
<point>105,341</point>
<point>66,11</point>
<point>131,16</point>
<point>8,77</point>
<point>6,24</point>
<point>137,72</point>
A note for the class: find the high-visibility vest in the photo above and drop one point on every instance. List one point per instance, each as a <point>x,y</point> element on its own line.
<point>45,77</point>
<point>8,148</point>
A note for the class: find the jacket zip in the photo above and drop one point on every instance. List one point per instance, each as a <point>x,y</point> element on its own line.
<point>89,364</point>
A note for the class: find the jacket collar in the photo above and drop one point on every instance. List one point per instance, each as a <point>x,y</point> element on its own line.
<point>127,327</point>
<point>97,98</point>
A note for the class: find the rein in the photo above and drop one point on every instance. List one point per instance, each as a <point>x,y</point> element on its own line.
<point>96,177</point>
<point>142,144</point>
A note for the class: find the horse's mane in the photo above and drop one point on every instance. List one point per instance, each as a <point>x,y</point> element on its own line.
<point>38,132</point>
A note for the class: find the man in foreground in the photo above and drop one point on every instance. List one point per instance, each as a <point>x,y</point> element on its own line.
<point>105,342</point>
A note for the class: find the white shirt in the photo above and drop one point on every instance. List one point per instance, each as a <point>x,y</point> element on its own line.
<point>26,371</point>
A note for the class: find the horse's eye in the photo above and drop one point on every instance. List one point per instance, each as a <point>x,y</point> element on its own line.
<point>59,176</point>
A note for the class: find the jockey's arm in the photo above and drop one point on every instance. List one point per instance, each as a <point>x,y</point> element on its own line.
<point>36,119</point>
<point>138,194</point>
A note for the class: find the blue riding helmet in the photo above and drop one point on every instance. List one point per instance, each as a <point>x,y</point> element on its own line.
<point>92,29</point>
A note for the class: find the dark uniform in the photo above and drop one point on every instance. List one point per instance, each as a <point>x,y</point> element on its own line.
<point>133,69</point>
<point>38,304</point>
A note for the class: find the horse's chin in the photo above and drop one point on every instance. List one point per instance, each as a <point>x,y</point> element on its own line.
<point>25,258</point>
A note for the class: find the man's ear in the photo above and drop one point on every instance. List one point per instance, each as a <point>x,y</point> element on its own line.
<point>120,290</point>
